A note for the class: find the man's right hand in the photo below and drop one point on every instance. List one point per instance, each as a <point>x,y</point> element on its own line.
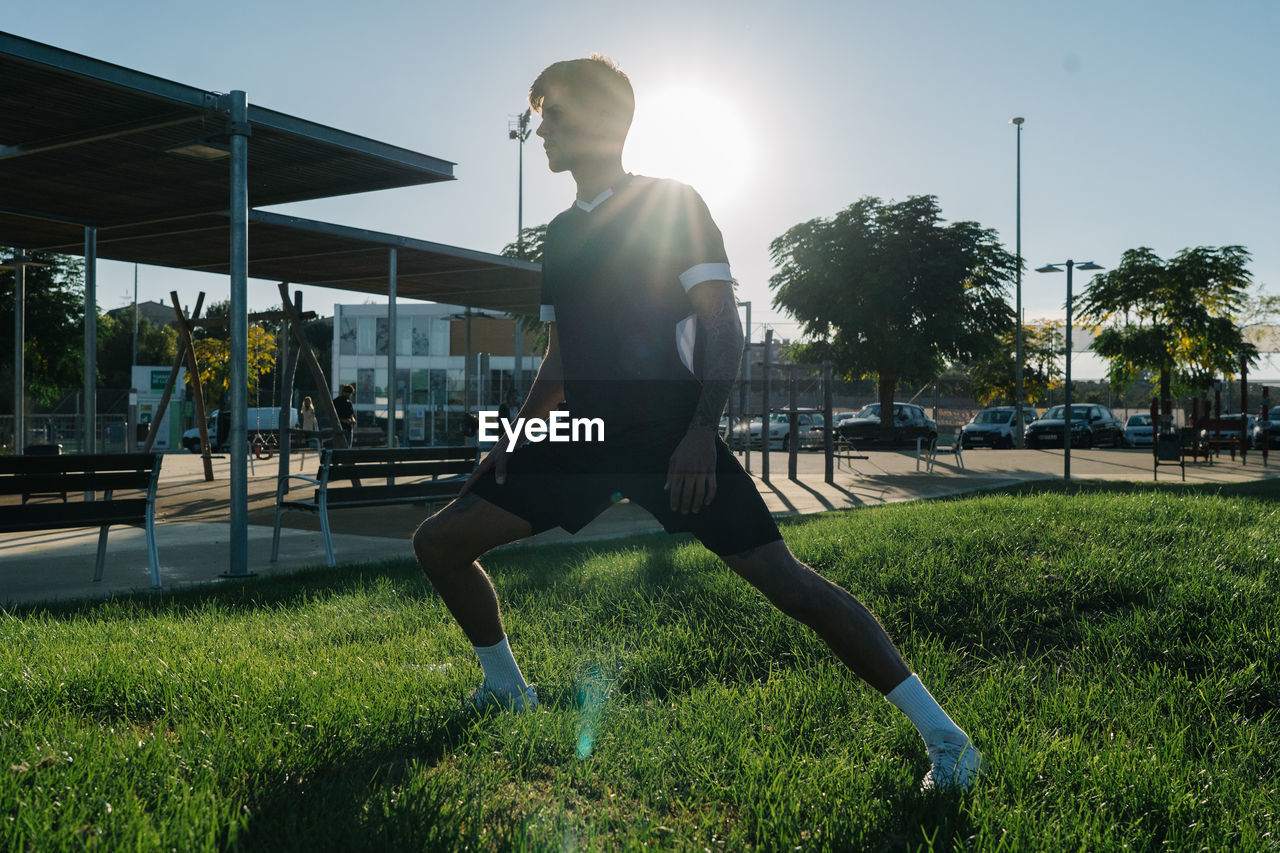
<point>495,459</point>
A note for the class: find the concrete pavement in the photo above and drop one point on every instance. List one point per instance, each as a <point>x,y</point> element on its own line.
<point>193,536</point>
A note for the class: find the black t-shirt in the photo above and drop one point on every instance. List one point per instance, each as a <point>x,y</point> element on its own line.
<point>615,278</point>
<point>343,407</point>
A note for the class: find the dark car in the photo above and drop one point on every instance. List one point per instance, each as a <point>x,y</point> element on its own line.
<point>910,423</point>
<point>1267,433</point>
<point>993,427</point>
<point>1233,431</point>
<point>1091,425</point>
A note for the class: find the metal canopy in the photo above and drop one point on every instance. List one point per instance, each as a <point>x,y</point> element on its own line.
<point>304,251</point>
<point>91,143</point>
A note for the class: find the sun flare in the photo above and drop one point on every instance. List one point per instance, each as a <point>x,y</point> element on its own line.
<point>694,135</point>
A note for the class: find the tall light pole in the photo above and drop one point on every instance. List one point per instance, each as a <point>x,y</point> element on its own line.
<point>1017,397</point>
<point>519,131</point>
<point>1067,413</point>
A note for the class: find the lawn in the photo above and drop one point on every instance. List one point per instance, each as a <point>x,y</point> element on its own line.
<point>1113,650</point>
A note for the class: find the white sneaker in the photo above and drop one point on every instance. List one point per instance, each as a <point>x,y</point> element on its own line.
<point>485,697</point>
<point>956,764</point>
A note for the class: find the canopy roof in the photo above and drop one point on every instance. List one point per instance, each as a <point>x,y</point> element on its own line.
<point>304,251</point>
<point>87,143</point>
<point>91,143</point>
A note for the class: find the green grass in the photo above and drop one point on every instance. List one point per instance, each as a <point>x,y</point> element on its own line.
<point>1114,651</point>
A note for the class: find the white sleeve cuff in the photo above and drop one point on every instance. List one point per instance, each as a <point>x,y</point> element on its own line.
<point>547,313</point>
<point>704,272</point>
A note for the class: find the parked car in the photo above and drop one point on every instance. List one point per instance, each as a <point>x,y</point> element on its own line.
<point>1139,431</point>
<point>1234,431</point>
<point>1091,425</point>
<point>809,426</point>
<point>994,427</point>
<point>1267,432</point>
<point>260,419</point>
<point>910,423</point>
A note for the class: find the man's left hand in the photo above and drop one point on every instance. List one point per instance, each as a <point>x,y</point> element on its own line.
<point>691,474</point>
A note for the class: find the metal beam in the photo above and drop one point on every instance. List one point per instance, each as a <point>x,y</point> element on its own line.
<point>10,152</point>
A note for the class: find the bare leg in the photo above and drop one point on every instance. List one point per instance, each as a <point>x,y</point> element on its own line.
<point>843,623</point>
<point>447,545</point>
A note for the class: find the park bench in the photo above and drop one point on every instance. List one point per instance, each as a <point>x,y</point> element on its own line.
<point>97,478</point>
<point>1217,434</point>
<point>367,477</point>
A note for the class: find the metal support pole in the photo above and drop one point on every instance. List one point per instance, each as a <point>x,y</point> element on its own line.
<point>746,389</point>
<point>793,423</point>
<point>1017,397</point>
<point>467,369</point>
<point>19,357</point>
<point>828,417</point>
<point>238,564</point>
<point>392,261</point>
<point>90,444</point>
<point>764,404</point>
<point>1066,433</point>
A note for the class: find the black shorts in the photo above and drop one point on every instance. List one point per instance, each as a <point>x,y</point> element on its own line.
<point>569,484</point>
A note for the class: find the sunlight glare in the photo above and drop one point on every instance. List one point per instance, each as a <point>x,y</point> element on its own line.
<point>695,136</point>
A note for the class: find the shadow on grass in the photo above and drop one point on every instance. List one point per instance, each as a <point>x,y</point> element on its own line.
<point>368,801</point>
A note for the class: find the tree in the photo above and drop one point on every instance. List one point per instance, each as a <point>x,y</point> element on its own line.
<point>214,357</point>
<point>53,330</point>
<point>994,379</point>
<point>1174,317</point>
<point>529,248</point>
<point>887,290</point>
<point>156,345</point>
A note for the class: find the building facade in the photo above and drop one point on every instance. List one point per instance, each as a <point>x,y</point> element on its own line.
<point>439,380</point>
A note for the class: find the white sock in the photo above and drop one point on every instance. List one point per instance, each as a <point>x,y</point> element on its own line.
<point>913,699</point>
<point>501,672</point>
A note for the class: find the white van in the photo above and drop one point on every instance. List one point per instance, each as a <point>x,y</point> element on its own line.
<point>260,419</point>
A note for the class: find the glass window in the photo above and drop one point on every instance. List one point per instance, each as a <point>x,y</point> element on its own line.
<point>347,336</point>
<point>380,323</point>
<point>404,335</point>
<point>364,337</point>
<point>364,386</point>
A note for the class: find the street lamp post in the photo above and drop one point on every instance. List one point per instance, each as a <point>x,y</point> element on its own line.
<point>1017,399</point>
<point>519,131</point>
<point>1067,413</point>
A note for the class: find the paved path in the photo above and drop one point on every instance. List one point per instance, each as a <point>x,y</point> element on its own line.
<point>193,537</point>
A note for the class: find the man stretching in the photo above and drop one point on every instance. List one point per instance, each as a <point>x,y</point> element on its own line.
<point>644,335</point>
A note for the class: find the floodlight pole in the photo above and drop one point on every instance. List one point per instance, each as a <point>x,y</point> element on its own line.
<point>519,131</point>
<point>238,129</point>
<point>1019,441</point>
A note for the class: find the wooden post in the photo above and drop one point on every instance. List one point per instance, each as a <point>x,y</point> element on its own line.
<point>317,373</point>
<point>1244,409</point>
<point>828,434</point>
<point>197,387</point>
<point>793,423</point>
<point>169,386</point>
<point>286,399</point>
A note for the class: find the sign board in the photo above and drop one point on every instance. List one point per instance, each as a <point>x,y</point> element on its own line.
<point>150,381</point>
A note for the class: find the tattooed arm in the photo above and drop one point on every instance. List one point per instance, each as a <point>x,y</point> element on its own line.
<point>717,313</point>
<point>691,474</point>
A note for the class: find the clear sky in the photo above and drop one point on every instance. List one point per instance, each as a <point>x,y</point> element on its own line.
<point>1147,123</point>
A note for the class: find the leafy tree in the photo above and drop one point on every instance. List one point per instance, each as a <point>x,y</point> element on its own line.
<point>889,290</point>
<point>994,379</point>
<point>156,345</point>
<point>530,249</point>
<point>53,331</point>
<point>1171,317</point>
<point>214,357</point>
